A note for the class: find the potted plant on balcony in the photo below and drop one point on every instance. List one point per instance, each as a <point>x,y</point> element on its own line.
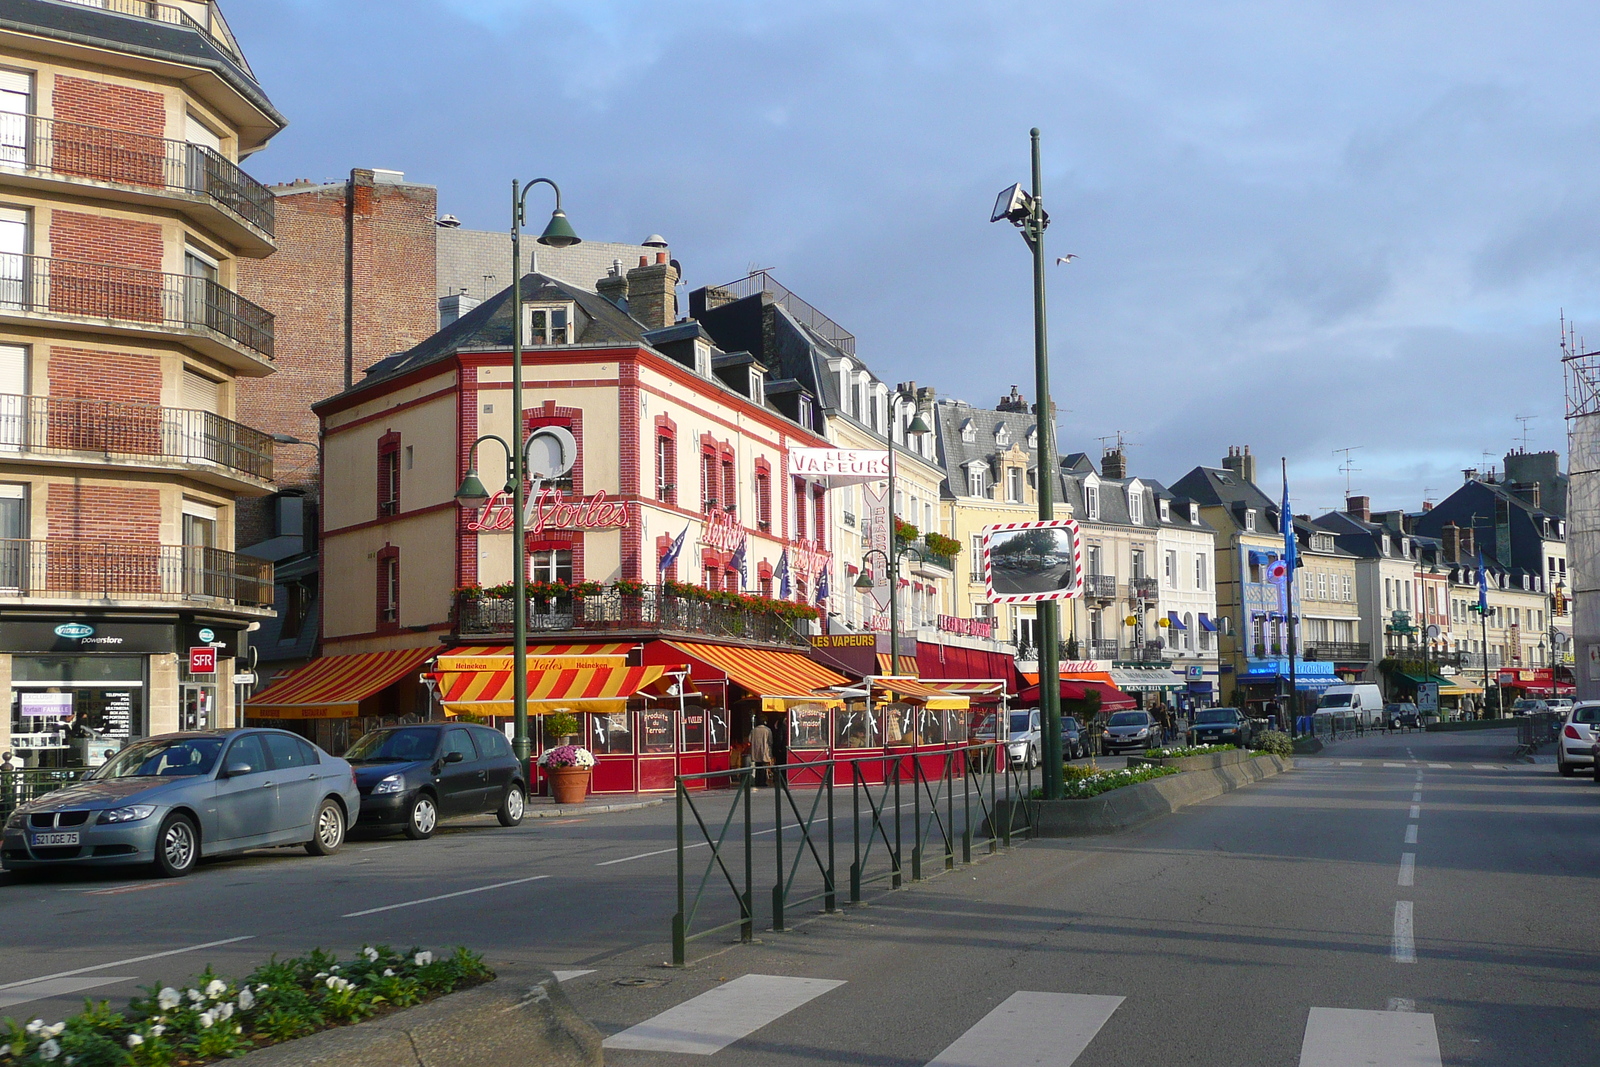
<point>940,545</point>
<point>1260,650</point>
<point>567,767</point>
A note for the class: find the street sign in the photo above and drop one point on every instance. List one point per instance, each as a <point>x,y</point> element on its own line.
<point>245,678</point>
<point>203,660</point>
<point>1428,696</point>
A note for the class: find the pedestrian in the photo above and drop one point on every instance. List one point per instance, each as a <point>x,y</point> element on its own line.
<point>761,751</point>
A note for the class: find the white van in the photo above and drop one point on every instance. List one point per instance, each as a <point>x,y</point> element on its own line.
<point>1363,698</point>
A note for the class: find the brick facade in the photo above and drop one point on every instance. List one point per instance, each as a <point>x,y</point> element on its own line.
<point>113,107</point>
<point>103,239</point>
<point>109,513</point>
<point>92,374</point>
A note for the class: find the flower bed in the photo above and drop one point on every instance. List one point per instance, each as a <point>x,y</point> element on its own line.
<point>214,1019</point>
<point>1085,782</point>
<point>1178,752</point>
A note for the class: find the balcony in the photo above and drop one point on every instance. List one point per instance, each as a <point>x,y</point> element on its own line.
<point>128,301</point>
<point>68,570</point>
<point>214,449</point>
<point>1100,586</point>
<point>139,168</point>
<point>1475,661</point>
<point>1099,649</point>
<point>1337,652</point>
<point>929,564</point>
<point>1143,588</point>
<point>653,611</point>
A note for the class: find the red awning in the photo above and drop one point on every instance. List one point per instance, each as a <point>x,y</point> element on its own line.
<point>1111,698</point>
<point>955,661</point>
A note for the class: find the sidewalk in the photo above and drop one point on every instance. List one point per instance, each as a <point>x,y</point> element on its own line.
<point>545,808</point>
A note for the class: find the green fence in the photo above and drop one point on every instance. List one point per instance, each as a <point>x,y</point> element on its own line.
<point>20,785</point>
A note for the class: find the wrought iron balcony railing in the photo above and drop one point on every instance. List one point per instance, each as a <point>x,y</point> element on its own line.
<point>1101,649</point>
<point>1337,651</point>
<point>1144,588</point>
<point>49,425</point>
<point>1100,586</point>
<point>197,15</point>
<point>77,152</point>
<point>43,285</point>
<point>64,569</point>
<point>651,610</point>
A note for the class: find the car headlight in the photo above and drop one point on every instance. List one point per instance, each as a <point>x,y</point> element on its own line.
<point>131,813</point>
<point>1142,732</point>
<point>18,817</point>
<point>392,784</point>
<point>1231,730</point>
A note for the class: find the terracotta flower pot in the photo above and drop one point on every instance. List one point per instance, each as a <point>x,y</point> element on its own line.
<point>569,785</point>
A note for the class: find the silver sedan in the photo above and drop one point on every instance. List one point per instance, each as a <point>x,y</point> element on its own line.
<point>170,800</point>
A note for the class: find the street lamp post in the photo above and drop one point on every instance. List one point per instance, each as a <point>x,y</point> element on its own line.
<point>558,233</point>
<point>891,558</point>
<point>1025,210</point>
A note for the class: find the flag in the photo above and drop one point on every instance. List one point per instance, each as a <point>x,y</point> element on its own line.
<point>822,585</point>
<point>673,552</point>
<point>737,563</point>
<point>783,575</point>
<point>1286,525</point>
<point>1483,586</point>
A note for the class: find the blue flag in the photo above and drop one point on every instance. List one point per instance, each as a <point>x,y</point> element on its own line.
<point>1286,526</point>
<point>822,585</point>
<point>783,575</point>
<point>737,563</point>
<point>676,549</point>
<point>1483,586</point>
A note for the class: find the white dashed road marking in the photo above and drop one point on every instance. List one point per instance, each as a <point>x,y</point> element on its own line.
<point>1408,868</point>
<point>123,963</point>
<point>717,1018</point>
<point>1394,764</point>
<point>1411,834</point>
<point>1340,1037</point>
<point>1440,766</point>
<point>442,896</point>
<point>1486,766</point>
<point>1349,763</point>
<point>1403,948</point>
<point>1029,1029</point>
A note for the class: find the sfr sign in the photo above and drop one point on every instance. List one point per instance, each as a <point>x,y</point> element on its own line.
<point>203,660</point>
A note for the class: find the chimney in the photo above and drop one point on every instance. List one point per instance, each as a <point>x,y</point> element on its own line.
<point>614,286</point>
<point>653,292</point>
<point>1113,464</point>
<point>1359,507</point>
<point>1014,402</point>
<point>1427,505</point>
<point>1468,551</point>
<point>1241,462</point>
<point>1452,542</point>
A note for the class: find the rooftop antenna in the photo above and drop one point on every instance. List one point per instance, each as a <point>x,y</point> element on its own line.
<point>1525,419</point>
<point>488,280</point>
<point>1347,467</point>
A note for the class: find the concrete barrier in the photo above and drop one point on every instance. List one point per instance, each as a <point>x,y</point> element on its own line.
<point>1206,761</point>
<point>520,1018</point>
<point>1120,809</point>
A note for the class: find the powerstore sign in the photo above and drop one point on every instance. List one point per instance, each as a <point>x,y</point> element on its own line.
<point>75,631</point>
<point>77,635</point>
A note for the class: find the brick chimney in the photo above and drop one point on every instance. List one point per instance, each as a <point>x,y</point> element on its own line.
<point>653,292</point>
<point>1451,536</point>
<point>614,286</point>
<point>1241,462</point>
<point>1469,553</point>
<point>1013,402</point>
<point>1113,464</point>
<point>1359,507</point>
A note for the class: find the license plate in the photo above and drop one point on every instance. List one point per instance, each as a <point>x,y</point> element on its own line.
<point>62,838</point>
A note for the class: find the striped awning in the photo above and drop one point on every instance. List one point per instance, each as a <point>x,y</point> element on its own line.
<point>914,691</point>
<point>601,689</point>
<point>603,648</point>
<point>967,687</point>
<point>333,688</point>
<point>779,678</point>
<point>908,665</point>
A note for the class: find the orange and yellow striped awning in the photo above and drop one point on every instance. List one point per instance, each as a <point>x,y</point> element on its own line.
<point>778,678</point>
<point>926,695</point>
<point>333,688</point>
<point>908,665</point>
<point>601,689</point>
<point>601,648</point>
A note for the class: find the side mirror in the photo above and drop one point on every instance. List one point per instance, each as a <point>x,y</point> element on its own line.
<point>453,757</point>
<point>236,767</point>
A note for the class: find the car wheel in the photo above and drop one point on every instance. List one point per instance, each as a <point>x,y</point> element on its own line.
<point>1033,757</point>
<point>1567,770</point>
<point>329,829</point>
<point>512,807</point>
<point>177,846</point>
<point>423,817</point>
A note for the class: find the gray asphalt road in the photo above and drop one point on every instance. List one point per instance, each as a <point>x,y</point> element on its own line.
<point>1222,928</point>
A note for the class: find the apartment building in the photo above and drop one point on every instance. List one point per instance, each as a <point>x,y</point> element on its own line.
<point>124,217</point>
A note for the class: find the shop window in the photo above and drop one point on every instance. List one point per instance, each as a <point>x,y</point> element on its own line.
<point>657,729</point>
<point>856,727</point>
<point>717,729</point>
<point>388,587</point>
<point>666,469</point>
<point>808,727</point>
<point>609,734</point>
<point>389,474</point>
<point>693,729</point>
<point>76,709</point>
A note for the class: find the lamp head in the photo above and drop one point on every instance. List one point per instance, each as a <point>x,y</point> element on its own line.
<point>864,582</point>
<point>918,424</point>
<point>559,233</point>
<point>472,494</point>
<point>1013,205</point>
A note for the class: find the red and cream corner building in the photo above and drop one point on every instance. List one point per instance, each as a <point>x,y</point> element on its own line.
<point>669,438</point>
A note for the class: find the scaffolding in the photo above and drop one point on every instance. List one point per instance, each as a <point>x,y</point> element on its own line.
<point>1582,374</point>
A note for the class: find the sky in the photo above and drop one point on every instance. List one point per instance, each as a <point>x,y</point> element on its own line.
<point>1299,227</point>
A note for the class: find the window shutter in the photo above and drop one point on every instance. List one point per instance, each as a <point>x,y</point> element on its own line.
<point>201,393</point>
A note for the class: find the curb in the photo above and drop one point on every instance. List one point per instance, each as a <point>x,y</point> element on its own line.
<point>1131,805</point>
<point>589,809</point>
<point>520,1018</point>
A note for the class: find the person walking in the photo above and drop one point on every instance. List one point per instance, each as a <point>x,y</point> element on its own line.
<point>761,751</point>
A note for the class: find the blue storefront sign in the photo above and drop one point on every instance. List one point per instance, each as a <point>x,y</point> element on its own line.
<point>1310,675</point>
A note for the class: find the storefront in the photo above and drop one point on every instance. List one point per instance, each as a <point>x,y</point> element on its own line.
<point>1535,682</point>
<point>334,700</point>
<point>83,687</point>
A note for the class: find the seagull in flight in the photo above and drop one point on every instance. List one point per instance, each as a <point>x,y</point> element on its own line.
<point>1068,258</point>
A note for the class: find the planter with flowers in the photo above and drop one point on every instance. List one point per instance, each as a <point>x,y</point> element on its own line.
<point>567,767</point>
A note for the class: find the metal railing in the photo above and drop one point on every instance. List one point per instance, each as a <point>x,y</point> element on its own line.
<point>808,316</point>
<point>100,570</point>
<point>1102,586</point>
<point>49,425</point>
<point>934,559</point>
<point>1103,649</point>
<point>979,792</point>
<point>21,785</point>
<point>75,151</point>
<point>1341,651</point>
<point>1476,660</point>
<point>1144,588</point>
<point>651,610</point>
<point>213,29</point>
<point>1537,728</point>
<point>50,286</point>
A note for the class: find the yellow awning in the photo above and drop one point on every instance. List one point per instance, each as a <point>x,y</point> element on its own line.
<point>917,693</point>
<point>603,689</point>
<point>333,688</point>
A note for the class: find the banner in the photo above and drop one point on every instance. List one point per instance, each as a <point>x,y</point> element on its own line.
<point>875,511</point>
<point>837,467</point>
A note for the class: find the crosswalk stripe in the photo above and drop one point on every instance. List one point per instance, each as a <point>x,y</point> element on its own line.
<point>1344,1037</point>
<point>1408,868</point>
<point>717,1018</point>
<point>1440,766</point>
<point>1404,947</point>
<point>1485,766</point>
<point>1349,763</point>
<point>1031,1029</point>
<point>1394,764</point>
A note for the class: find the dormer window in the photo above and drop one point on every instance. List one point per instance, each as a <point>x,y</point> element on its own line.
<point>1136,507</point>
<point>1405,546</point>
<point>1166,511</point>
<point>758,386</point>
<point>969,434</point>
<point>548,324</point>
<point>1033,437</point>
<point>975,480</point>
<point>1250,520</point>
<point>1091,501</point>
<point>1002,435</point>
<point>1194,514</point>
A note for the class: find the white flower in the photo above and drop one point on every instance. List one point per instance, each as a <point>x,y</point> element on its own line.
<point>371,953</point>
<point>224,1010</point>
<point>424,958</point>
<point>194,995</point>
<point>206,1019</point>
<point>134,1040</point>
<point>168,998</point>
<point>158,1029</point>
<point>50,1049</point>
<point>215,988</point>
<point>5,1050</point>
<point>388,972</point>
<point>54,1030</point>
<point>35,1026</point>
<point>320,975</point>
<point>262,988</point>
<point>334,968</point>
<point>339,985</point>
<point>247,999</point>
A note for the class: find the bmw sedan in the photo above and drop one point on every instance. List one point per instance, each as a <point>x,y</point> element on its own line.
<point>412,776</point>
<point>176,798</point>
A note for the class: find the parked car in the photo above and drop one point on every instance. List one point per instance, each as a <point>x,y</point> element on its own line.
<point>1220,726</point>
<point>1560,704</point>
<point>410,777</point>
<point>1073,743</point>
<point>1363,698</point>
<point>1127,730</point>
<point>1024,740</point>
<point>1400,716</point>
<point>1529,706</point>
<point>1575,744</point>
<point>174,799</point>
